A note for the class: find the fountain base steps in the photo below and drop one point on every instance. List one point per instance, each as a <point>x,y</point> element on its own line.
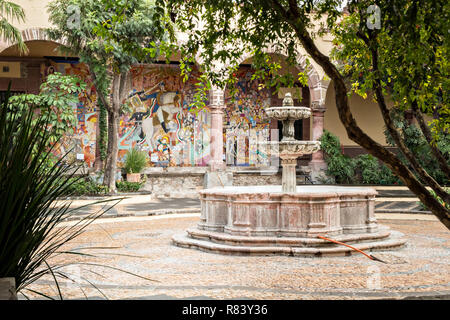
<point>217,242</point>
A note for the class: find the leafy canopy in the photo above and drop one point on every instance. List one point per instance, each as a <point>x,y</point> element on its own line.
<point>412,48</point>
<point>110,36</point>
<point>58,96</point>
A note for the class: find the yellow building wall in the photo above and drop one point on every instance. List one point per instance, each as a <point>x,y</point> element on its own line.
<point>36,15</point>
<point>10,69</point>
<point>366,113</point>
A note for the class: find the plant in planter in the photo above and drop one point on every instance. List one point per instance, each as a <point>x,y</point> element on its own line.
<point>135,162</point>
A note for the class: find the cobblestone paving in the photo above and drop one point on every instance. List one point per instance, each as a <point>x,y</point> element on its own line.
<point>142,246</point>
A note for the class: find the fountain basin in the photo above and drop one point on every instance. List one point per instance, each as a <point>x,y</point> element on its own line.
<point>264,220</point>
<point>268,211</point>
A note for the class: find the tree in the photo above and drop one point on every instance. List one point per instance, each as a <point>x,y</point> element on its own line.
<point>110,36</point>
<point>56,100</point>
<point>405,56</point>
<point>11,11</point>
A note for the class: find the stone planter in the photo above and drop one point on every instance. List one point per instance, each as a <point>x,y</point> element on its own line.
<point>8,289</point>
<point>133,177</point>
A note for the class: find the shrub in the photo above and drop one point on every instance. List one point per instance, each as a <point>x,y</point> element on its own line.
<point>135,161</point>
<point>125,186</point>
<point>340,166</point>
<point>417,144</point>
<point>364,169</point>
<point>85,186</point>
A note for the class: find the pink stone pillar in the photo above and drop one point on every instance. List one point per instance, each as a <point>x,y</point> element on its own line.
<point>318,112</point>
<point>217,107</point>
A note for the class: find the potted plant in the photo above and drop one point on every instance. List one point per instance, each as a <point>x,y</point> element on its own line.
<point>135,162</point>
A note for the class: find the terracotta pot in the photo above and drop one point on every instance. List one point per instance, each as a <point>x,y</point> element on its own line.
<point>8,289</point>
<point>133,177</point>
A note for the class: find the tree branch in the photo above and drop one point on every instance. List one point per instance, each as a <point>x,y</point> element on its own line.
<point>100,94</point>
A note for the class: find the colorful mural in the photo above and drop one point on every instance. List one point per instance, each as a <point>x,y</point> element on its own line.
<point>161,121</point>
<point>82,143</point>
<point>245,126</point>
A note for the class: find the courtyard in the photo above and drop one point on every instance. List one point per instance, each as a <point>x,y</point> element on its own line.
<point>141,244</point>
<point>224,150</point>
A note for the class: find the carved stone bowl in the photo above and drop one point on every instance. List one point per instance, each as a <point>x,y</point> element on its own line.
<point>294,148</point>
<point>288,113</point>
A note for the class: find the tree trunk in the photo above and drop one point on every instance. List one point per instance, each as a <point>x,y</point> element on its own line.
<point>121,86</point>
<point>427,133</point>
<point>111,157</point>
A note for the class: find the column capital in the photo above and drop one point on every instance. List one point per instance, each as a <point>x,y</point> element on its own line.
<point>317,107</point>
<point>216,98</point>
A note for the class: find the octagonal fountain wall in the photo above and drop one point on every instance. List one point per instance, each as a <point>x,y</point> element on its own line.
<point>288,219</point>
<point>268,211</point>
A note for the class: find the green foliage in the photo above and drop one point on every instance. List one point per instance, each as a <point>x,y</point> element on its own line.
<point>231,29</point>
<point>411,48</point>
<point>86,187</point>
<point>125,186</point>
<point>110,35</point>
<point>364,169</point>
<point>30,221</point>
<point>135,161</point>
<point>340,166</point>
<point>370,171</point>
<point>10,11</point>
<point>56,102</point>
<point>415,141</point>
<point>103,126</point>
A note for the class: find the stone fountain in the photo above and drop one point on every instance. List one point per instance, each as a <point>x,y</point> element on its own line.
<point>286,219</point>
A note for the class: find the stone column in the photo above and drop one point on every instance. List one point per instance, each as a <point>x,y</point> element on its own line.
<point>217,107</point>
<point>216,175</point>
<point>317,164</point>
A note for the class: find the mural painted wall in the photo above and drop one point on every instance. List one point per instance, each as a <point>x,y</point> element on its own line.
<point>82,143</point>
<point>161,122</point>
<point>246,128</point>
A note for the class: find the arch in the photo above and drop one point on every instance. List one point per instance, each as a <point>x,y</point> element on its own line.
<point>317,87</point>
<point>36,33</point>
<point>30,35</point>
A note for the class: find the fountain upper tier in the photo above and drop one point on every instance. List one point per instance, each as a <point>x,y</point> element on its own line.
<point>289,147</point>
<point>288,113</point>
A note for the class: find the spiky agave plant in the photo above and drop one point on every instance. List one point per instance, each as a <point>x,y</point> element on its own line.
<point>135,161</point>
<point>30,221</point>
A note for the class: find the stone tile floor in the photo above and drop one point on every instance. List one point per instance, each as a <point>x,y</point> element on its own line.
<point>142,245</point>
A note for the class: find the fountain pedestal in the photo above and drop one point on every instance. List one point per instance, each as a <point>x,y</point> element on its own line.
<point>289,175</point>
<point>287,219</point>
